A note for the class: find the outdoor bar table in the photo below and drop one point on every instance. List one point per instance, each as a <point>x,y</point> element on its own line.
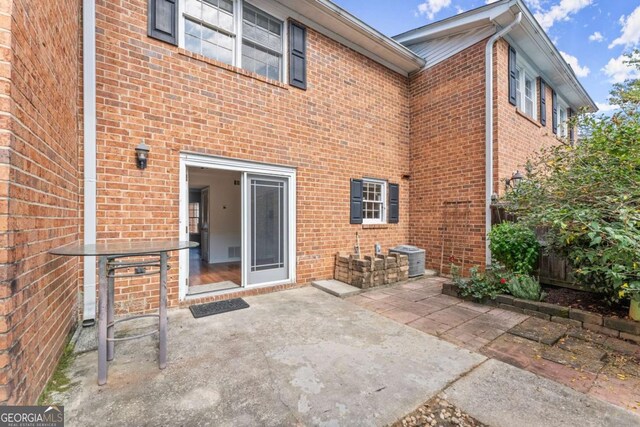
<point>111,258</point>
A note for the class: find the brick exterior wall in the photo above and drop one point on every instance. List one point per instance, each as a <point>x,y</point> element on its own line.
<point>39,140</point>
<point>517,137</point>
<point>447,158</point>
<point>340,128</point>
<point>448,152</point>
<point>357,119</point>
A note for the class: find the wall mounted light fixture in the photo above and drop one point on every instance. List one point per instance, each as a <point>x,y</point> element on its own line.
<point>514,181</point>
<point>142,155</point>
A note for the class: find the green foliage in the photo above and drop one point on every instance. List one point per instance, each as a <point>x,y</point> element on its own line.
<point>482,285</point>
<point>515,246</point>
<point>588,197</point>
<point>525,287</point>
<point>59,381</point>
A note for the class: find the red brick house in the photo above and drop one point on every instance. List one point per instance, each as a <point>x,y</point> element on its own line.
<point>277,131</point>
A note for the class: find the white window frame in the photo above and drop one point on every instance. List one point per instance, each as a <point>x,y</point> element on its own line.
<point>384,203</point>
<point>265,6</point>
<point>563,127</point>
<point>525,72</point>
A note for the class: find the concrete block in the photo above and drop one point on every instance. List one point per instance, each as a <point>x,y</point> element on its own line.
<point>585,316</point>
<point>336,288</point>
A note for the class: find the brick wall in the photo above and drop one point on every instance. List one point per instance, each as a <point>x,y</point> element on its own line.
<point>447,158</point>
<point>40,190</point>
<point>517,137</point>
<point>340,128</point>
<point>448,148</point>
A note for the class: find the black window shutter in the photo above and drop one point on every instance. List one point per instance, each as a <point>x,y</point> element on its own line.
<point>543,103</point>
<point>297,55</point>
<point>162,20</point>
<point>512,75</point>
<point>554,109</point>
<point>356,201</point>
<point>570,126</point>
<point>394,203</point>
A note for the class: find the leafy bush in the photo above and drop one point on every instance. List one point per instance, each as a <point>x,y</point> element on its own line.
<point>588,196</point>
<point>482,285</point>
<point>525,287</point>
<point>516,246</point>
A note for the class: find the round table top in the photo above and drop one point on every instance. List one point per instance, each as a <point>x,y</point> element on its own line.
<point>133,247</point>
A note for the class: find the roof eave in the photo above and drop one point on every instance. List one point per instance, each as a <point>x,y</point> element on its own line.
<point>554,55</point>
<point>335,22</point>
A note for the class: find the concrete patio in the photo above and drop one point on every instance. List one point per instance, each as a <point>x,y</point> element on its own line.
<point>303,357</point>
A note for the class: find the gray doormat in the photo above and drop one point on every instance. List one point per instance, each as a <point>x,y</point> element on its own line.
<point>202,310</point>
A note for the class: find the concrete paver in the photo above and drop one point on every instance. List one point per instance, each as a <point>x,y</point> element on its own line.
<point>584,360</point>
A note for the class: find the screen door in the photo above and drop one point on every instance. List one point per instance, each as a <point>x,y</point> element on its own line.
<point>267,229</point>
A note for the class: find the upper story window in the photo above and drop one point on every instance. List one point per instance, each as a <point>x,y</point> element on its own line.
<point>374,196</point>
<point>209,29</point>
<point>261,43</point>
<point>563,116</point>
<point>526,91</point>
<point>236,33</point>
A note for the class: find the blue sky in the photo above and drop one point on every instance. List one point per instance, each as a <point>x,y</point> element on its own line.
<point>592,34</point>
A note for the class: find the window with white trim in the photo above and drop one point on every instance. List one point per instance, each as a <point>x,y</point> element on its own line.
<point>563,127</point>
<point>374,200</point>
<point>236,33</point>
<point>526,91</point>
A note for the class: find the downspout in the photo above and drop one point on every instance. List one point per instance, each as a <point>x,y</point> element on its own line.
<point>489,128</point>
<point>89,103</point>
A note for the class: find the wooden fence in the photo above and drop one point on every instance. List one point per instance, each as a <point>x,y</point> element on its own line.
<point>553,269</point>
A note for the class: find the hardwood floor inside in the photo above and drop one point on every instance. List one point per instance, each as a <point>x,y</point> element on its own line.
<point>202,273</point>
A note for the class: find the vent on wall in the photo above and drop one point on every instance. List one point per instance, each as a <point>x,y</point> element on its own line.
<point>234,251</point>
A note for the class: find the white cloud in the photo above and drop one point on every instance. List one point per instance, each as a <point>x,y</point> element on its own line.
<point>429,8</point>
<point>533,4</point>
<point>618,70</point>
<point>459,10</point>
<point>605,107</point>
<point>630,35</point>
<point>596,37</point>
<point>560,12</point>
<point>581,71</point>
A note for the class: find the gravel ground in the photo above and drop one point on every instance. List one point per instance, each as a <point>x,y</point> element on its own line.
<point>438,413</point>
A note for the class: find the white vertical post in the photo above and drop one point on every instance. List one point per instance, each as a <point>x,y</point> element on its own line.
<point>89,105</point>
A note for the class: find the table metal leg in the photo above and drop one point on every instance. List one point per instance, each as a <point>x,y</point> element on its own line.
<point>110,315</point>
<point>102,321</point>
<point>163,310</point>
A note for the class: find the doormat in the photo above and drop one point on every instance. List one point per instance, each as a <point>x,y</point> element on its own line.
<point>211,308</point>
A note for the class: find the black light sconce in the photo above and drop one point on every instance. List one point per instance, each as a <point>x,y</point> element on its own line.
<point>514,181</point>
<point>142,155</point>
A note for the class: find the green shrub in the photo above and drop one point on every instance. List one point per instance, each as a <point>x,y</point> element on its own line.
<point>515,246</point>
<point>525,287</point>
<point>588,196</point>
<point>480,285</point>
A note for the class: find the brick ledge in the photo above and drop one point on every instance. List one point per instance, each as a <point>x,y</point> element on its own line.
<point>231,68</point>
<point>521,114</point>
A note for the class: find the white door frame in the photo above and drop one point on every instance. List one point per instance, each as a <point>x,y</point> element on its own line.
<point>246,168</point>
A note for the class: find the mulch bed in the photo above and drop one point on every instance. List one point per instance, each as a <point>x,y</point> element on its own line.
<point>584,301</point>
<point>438,413</point>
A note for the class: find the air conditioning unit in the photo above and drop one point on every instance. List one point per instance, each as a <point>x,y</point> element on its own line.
<point>416,258</point>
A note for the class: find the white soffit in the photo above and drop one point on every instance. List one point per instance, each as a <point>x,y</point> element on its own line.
<point>437,50</point>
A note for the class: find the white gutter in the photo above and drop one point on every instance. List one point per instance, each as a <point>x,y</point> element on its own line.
<point>89,103</point>
<point>489,128</point>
